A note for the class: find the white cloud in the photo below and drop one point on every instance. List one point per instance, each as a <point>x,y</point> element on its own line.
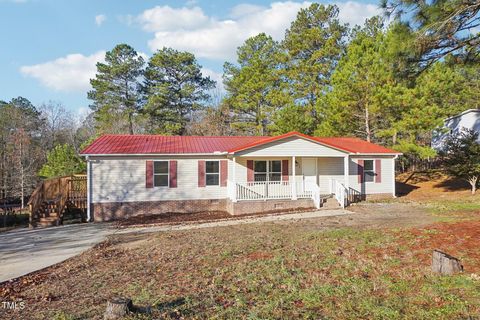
<point>70,73</point>
<point>192,30</point>
<point>165,18</point>
<point>100,19</point>
<point>356,13</point>
<point>215,76</point>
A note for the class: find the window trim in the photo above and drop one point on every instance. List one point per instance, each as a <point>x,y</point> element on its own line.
<point>374,171</point>
<point>161,174</point>
<point>268,171</point>
<point>207,173</point>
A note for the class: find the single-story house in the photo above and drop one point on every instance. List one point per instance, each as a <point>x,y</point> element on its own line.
<point>468,119</point>
<point>131,175</point>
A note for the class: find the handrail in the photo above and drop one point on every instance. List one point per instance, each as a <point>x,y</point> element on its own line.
<point>56,189</point>
<point>339,191</point>
<point>35,201</point>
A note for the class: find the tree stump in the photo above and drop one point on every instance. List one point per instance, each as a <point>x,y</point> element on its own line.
<point>117,308</point>
<point>444,263</point>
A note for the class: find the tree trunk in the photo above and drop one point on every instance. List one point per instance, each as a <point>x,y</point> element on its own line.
<point>367,125</point>
<point>473,183</point>
<point>130,122</point>
<point>117,308</point>
<point>444,263</point>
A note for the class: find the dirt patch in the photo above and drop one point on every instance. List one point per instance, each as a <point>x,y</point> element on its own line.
<point>431,185</point>
<point>191,218</point>
<point>171,217</point>
<point>460,239</point>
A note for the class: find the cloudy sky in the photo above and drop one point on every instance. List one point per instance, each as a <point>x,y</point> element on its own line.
<point>50,48</point>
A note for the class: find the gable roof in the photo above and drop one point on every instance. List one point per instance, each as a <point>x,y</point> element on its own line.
<point>463,113</point>
<point>160,145</point>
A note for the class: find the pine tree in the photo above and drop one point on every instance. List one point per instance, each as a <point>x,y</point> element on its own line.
<point>312,47</point>
<point>253,88</point>
<point>356,104</point>
<point>175,89</point>
<point>440,27</point>
<point>116,92</point>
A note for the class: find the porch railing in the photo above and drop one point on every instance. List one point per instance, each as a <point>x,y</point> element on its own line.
<point>265,190</point>
<point>339,191</point>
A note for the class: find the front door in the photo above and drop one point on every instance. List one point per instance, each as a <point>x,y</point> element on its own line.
<point>309,168</point>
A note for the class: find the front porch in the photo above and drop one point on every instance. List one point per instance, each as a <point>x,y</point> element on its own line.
<point>292,178</point>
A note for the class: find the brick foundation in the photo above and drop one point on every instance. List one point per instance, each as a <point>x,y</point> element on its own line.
<point>378,196</point>
<point>122,210</point>
<point>260,206</point>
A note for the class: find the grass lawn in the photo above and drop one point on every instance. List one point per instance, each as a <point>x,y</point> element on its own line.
<point>374,264</point>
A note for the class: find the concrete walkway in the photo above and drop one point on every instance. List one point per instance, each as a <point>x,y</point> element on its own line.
<point>24,251</point>
<point>224,223</point>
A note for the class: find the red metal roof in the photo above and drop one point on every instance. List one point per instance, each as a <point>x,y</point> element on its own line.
<point>156,144</point>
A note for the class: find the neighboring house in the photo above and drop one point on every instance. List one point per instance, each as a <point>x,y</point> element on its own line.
<point>469,119</point>
<point>131,175</point>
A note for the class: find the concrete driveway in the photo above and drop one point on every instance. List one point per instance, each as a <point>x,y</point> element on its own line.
<point>23,251</point>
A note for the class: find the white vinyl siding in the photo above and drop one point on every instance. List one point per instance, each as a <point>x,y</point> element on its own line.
<point>122,179</point>
<point>292,146</point>
<point>329,168</point>
<point>386,186</point>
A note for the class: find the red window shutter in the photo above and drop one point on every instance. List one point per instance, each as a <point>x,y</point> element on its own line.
<point>285,170</point>
<point>360,171</point>
<point>173,174</point>
<point>378,171</point>
<point>250,173</point>
<point>201,173</point>
<point>223,173</point>
<point>149,174</point>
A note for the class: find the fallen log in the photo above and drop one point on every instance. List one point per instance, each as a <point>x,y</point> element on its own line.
<point>117,308</point>
<point>444,263</point>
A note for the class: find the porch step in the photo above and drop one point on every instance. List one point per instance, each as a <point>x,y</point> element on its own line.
<point>47,222</point>
<point>330,203</point>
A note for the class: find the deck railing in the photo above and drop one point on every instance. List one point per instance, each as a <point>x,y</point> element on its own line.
<point>58,191</point>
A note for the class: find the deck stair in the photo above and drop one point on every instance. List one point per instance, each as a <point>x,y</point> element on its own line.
<point>55,200</point>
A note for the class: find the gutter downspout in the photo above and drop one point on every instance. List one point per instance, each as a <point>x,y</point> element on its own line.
<point>89,188</point>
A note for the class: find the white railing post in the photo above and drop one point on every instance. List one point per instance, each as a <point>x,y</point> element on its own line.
<point>234,178</point>
<point>346,175</point>
<point>294,180</point>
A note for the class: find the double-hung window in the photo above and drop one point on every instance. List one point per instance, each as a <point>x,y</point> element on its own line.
<point>267,170</point>
<point>160,173</point>
<point>212,173</point>
<point>369,170</point>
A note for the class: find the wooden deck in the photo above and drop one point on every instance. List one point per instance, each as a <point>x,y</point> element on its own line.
<point>53,198</point>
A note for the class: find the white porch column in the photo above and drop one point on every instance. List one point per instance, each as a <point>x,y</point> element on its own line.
<point>234,179</point>
<point>294,180</point>
<point>89,188</point>
<point>346,173</point>
<point>394,192</point>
